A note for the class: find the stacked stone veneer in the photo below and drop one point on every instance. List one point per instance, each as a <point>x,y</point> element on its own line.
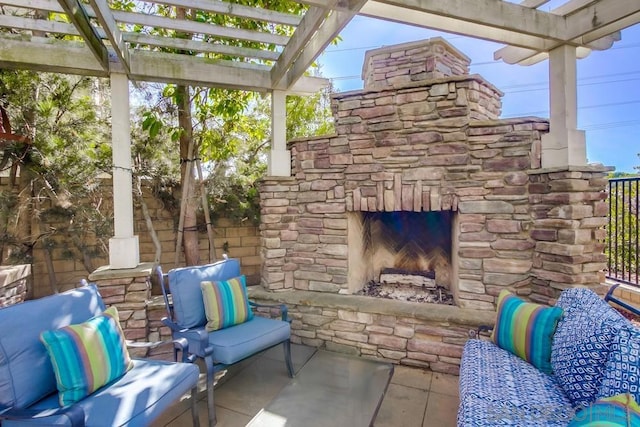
<point>130,292</point>
<point>428,145</point>
<point>15,281</point>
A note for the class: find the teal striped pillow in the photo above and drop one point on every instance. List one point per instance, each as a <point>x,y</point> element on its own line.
<point>620,410</point>
<point>226,303</point>
<point>87,356</point>
<point>526,329</point>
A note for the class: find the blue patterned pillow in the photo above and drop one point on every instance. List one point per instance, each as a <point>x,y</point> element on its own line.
<point>581,344</point>
<point>622,374</point>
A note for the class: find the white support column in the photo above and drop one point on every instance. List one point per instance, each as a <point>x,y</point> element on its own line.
<point>564,145</point>
<point>123,247</point>
<point>279,157</point>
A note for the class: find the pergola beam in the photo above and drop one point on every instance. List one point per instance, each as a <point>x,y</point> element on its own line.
<point>233,9</point>
<point>491,13</point>
<point>523,56</point>
<point>308,26</point>
<point>331,27</point>
<point>76,13</point>
<point>198,27</point>
<point>75,58</point>
<point>376,9</point>
<point>199,46</point>
<point>114,34</point>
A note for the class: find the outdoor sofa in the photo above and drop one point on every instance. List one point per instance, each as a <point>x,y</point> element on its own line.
<point>45,384</point>
<point>590,373</point>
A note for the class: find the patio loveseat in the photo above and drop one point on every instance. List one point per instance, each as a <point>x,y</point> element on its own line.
<point>37,388</point>
<point>590,374</point>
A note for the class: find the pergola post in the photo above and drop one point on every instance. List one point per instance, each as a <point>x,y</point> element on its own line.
<point>279,157</point>
<point>564,145</point>
<point>123,246</point>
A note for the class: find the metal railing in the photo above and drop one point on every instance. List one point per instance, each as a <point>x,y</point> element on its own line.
<point>622,230</point>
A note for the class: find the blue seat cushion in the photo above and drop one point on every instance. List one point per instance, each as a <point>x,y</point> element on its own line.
<point>500,387</point>
<point>135,399</point>
<point>582,343</point>
<point>184,284</point>
<point>233,344</point>
<point>26,373</point>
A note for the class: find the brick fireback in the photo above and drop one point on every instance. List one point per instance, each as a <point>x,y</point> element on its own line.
<point>431,145</point>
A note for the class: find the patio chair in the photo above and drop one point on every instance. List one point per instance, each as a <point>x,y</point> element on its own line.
<point>187,318</point>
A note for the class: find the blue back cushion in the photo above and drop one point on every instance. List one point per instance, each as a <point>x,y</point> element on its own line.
<point>184,283</point>
<point>582,343</point>
<point>26,373</point>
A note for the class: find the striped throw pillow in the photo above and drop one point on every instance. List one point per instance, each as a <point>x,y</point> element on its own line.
<point>620,410</point>
<point>226,303</point>
<point>526,329</point>
<point>87,356</point>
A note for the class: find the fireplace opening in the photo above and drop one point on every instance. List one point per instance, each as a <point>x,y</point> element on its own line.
<point>401,255</point>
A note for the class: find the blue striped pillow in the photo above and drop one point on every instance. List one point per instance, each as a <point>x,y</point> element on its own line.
<point>526,329</point>
<point>620,410</point>
<point>226,303</point>
<point>87,356</point>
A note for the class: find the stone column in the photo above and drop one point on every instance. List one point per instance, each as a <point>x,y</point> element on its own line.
<point>129,290</point>
<point>569,210</point>
<point>278,230</point>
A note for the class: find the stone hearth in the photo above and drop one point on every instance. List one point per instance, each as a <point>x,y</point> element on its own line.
<point>424,136</point>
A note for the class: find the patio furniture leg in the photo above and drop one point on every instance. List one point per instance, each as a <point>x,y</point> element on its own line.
<point>194,407</point>
<point>287,358</point>
<point>210,383</point>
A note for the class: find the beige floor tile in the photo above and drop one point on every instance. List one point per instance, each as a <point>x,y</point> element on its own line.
<point>441,410</point>
<point>445,384</point>
<point>402,407</point>
<point>412,377</point>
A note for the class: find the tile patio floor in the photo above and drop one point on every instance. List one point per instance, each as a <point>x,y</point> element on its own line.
<point>415,397</point>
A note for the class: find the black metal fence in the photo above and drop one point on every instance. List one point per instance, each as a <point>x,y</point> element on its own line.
<point>622,230</point>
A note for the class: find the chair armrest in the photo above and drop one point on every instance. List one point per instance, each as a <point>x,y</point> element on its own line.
<point>284,310</point>
<point>74,413</point>
<point>483,330</point>
<point>179,345</point>
<point>609,297</point>
<point>171,324</point>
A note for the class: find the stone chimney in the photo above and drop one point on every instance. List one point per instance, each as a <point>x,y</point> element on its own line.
<point>412,62</point>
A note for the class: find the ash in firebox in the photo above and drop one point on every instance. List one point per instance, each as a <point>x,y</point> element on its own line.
<point>404,292</point>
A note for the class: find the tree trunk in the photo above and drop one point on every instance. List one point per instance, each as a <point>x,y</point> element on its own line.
<point>190,230</point>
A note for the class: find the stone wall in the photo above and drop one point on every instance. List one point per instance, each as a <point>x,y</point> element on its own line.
<point>415,61</point>
<point>569,211</point>
<point>14,283</point>
<point>425,335</point>
<point>242,240</point>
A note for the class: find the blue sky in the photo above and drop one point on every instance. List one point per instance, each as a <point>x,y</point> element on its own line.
<point>608,83</point>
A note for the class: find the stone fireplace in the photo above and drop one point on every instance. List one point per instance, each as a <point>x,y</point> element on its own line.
<point>425,184</point>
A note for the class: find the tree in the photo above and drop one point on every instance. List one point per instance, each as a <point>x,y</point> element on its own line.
<point>53,178</point>
<point>208,118</point>
<point>623,229</point>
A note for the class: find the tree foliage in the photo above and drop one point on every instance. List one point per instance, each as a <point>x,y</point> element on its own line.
<point>623,230</point>
<point>54,178</point>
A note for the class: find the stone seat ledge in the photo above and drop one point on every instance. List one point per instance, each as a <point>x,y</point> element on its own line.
<point>420,311</point>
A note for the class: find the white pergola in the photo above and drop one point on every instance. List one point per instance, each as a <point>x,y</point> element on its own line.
<point>104,45</point>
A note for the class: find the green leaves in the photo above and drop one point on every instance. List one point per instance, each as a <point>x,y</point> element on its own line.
<point>151,123</point>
